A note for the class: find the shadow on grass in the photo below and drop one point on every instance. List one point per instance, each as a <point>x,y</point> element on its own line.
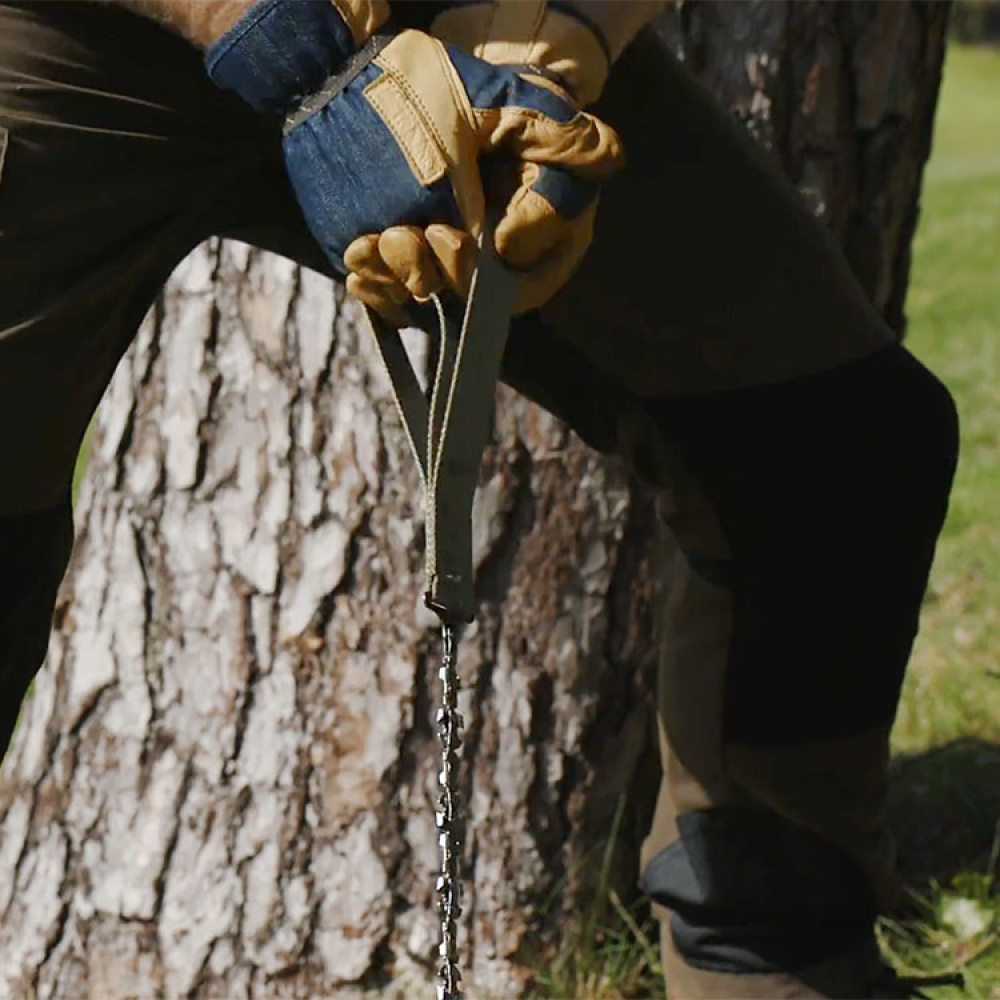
<point>944,808</point>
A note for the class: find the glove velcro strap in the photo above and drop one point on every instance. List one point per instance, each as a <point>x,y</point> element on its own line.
<point>337,82</point>
<point>280,52</point>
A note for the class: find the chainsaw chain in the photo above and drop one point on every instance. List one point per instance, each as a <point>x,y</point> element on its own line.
<point>451,833</point>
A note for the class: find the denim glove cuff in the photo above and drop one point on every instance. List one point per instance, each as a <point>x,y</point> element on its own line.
<point>280,52</point>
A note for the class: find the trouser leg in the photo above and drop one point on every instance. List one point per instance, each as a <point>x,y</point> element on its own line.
<point>806,516</point>
<point>118,156</point>
<point>805,461</point>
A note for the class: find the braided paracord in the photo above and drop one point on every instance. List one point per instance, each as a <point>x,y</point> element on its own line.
<point>449,823</point>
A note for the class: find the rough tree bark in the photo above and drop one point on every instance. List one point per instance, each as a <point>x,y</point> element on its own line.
<point>223,783</point>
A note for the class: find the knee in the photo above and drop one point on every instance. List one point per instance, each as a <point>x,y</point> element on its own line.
<point>867,448</point>
<point>902,450</point>
<point>831,491</point>
<point>922,438</point>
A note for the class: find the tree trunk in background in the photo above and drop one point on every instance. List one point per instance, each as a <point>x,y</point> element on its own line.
<point>224,782</point>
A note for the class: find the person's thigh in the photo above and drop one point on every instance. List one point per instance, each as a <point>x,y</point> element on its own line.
<point>119,155</point>
<point>707,271</point>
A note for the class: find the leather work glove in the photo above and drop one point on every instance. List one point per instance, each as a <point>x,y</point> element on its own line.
<point>388,130</point>
<point>569,49</point>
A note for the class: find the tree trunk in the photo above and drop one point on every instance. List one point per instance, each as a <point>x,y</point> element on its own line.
<point>223,784</point>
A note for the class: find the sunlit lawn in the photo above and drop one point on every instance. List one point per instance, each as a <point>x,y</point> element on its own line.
<point>954,309</point>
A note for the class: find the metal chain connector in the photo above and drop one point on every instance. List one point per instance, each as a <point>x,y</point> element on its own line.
<point>451,834</point>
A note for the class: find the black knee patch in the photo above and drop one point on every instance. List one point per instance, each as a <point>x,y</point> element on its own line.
<point>831,490</point>
<point>751,893</point>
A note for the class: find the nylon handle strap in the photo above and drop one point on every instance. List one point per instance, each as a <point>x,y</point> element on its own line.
<point>448,435</point>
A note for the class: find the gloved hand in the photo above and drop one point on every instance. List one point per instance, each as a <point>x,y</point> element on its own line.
<point>567,49</point>
<point>399,141</point>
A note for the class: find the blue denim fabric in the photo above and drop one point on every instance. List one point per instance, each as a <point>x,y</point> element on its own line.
<point>349,175</point>
<point>566,192</point>
<point>351,178</point>
<point>280,51</point>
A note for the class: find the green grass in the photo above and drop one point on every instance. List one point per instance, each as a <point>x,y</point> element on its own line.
<point>610,951</point>
<point>953,688</point>
<point>957,930</point>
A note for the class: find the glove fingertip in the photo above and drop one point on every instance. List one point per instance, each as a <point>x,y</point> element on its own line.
<point>362,252</point>
<point>374,298</point>
<point>600,152</point>
<point>457,255</point>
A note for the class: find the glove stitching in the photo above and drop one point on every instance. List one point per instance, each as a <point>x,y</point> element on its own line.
<point>238,32</point>
<point>426,173</point>
<point>418,103</point>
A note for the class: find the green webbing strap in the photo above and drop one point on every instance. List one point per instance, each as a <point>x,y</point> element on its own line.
<point>448,436</point>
